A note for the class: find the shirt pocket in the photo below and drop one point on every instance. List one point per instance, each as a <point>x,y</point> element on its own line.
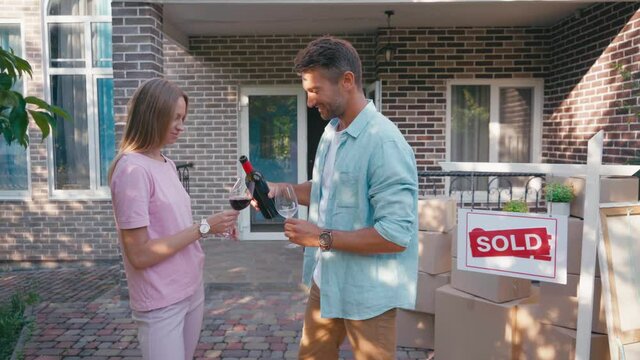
<point>347,190</point>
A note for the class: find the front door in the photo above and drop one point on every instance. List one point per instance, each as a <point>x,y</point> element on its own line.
<point>273,135</point>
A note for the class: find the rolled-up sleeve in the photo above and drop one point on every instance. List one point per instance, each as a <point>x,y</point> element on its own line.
<point>393,190</point>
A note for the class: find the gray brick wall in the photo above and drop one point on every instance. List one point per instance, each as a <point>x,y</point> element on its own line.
<point>212,71</point>
<point>41,229</point>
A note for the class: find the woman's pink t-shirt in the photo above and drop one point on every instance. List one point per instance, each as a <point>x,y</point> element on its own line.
<point>148,192</point>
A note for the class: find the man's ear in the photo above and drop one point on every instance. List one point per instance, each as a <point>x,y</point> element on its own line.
<point>348,80</point>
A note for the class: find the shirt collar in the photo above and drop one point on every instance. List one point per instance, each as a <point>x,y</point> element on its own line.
<point>359,123</point>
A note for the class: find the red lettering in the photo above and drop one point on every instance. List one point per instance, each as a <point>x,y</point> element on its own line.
<point>533,243</point>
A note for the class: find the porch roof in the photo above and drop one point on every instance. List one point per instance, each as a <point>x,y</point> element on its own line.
<point>268,17</point>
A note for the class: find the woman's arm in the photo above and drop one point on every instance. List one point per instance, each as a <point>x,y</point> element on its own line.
<point>143,252</point>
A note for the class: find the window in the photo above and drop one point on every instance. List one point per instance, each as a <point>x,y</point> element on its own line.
<point>494,121</point>
<point>14,159</point>
<point>80,80</point>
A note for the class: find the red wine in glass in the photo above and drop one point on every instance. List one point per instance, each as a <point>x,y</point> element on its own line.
<point>239,203</point>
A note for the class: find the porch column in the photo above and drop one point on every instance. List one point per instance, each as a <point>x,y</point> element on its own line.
<point>137,50</point>
<point>137,56</point>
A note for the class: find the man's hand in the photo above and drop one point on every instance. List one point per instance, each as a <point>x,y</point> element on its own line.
<point>273,190</point>
<point>302,232</point>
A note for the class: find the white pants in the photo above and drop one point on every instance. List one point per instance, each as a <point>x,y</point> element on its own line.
<point>172,332</point>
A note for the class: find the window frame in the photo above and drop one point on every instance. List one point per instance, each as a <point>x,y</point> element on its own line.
<point>91,74</point>
<point>20,195</point>
<point>537,84</point>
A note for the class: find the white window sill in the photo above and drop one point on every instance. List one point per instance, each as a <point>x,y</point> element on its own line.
<point>82,195</point>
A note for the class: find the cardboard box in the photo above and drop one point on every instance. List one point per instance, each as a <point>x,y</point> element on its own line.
<point>612,189</point>
<point>632,351</point>
<point>415,329</point>
<point>574,247</point>
<point>433,252</point>
<point>427,285</point>
<point>468,327</point>
<point>494,288</point>
<point>437,214</point>
<point>558,343</point>
<point>454,241</point>
<point>559,304</point>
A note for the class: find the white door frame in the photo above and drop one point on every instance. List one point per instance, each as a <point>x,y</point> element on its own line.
<point>243,147</point>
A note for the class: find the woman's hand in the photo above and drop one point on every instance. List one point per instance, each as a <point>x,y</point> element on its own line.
<point>222,221</point>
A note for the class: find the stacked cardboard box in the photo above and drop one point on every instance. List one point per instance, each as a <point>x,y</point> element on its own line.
<point>556,314</point>
<point>559,304</point>
<point>469,327</point>
<point>437,217</point>
<point>612,189</point>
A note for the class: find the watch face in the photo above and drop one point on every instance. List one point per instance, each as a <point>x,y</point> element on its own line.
<point>325,238</point>
<point>204,228</point>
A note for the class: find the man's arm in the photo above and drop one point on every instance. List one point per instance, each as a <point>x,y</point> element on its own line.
<point>363,241</point>
<point>303,193</point>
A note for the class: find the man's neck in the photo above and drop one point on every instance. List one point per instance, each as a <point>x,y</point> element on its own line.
<point>351,112</point>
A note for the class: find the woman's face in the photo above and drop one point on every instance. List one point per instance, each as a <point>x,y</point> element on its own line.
<point>176,127</point>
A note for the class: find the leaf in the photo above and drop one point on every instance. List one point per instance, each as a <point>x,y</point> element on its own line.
<point>42,120</point>
<point>60,112</point>
<point>8,99</point>
<point>37,102</point>
<point>6,82</point>
<point>20,122</point>
<point>23,66</point>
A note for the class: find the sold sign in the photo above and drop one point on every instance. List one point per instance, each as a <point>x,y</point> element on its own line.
<point>533,243</point>
<point>529,246</point>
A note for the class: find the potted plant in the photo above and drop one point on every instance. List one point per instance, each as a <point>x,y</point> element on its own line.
<point>518,206</point>
<point>558,198</point>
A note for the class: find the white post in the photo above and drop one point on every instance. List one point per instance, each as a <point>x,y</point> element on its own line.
<point>589,246</point>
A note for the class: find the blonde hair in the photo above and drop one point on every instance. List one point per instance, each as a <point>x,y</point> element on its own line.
<point>150,114</point>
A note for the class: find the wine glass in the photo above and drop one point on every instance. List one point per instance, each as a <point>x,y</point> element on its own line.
<point>240,196</point>
<point>287,205</point>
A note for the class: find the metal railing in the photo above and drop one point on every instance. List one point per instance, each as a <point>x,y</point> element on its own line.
<point>495,189</point>
<point>183,174</point>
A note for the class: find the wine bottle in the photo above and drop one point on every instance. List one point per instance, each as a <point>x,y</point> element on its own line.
<point>260,189</point>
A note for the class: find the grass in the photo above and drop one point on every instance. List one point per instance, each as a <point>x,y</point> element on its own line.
<point>12,320</point>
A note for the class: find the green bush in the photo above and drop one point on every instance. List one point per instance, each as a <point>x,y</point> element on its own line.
<point>12,320</point>
<point>561,193</point>
<point>518,206</point>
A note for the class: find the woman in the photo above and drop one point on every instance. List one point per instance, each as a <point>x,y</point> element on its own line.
<point>162,257</point>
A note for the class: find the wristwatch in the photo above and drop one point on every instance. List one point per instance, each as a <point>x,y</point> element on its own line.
<point>325,240</point>
<point>204,228</point>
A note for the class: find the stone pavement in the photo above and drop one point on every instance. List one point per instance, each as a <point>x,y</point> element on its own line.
<point>254,308</point>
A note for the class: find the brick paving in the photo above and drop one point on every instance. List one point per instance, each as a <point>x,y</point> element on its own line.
<point>81,314</point>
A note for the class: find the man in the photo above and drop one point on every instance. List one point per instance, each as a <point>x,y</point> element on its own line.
<point>361,238</point>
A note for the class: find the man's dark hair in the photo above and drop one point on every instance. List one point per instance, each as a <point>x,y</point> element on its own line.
<point>335,55</point>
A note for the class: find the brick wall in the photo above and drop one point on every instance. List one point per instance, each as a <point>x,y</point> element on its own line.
<point>40,229</point>
<point>583,93</point>
<point>212,73</point>
<point>414,84</point>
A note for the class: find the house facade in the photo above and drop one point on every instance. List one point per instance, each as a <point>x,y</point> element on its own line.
<point>468,81</point>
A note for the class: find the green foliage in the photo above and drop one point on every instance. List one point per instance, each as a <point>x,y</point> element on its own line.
<point>561,193</point>
<point>518,206</point>
<point>12,320</point>
<point>632,83</point>
<point>472,112</point>
<point>14,114</point>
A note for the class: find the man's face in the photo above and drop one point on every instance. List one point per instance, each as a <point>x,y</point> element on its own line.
<point>323,93</point>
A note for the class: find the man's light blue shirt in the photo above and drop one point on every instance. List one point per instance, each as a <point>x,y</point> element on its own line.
<point>375,184</point>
